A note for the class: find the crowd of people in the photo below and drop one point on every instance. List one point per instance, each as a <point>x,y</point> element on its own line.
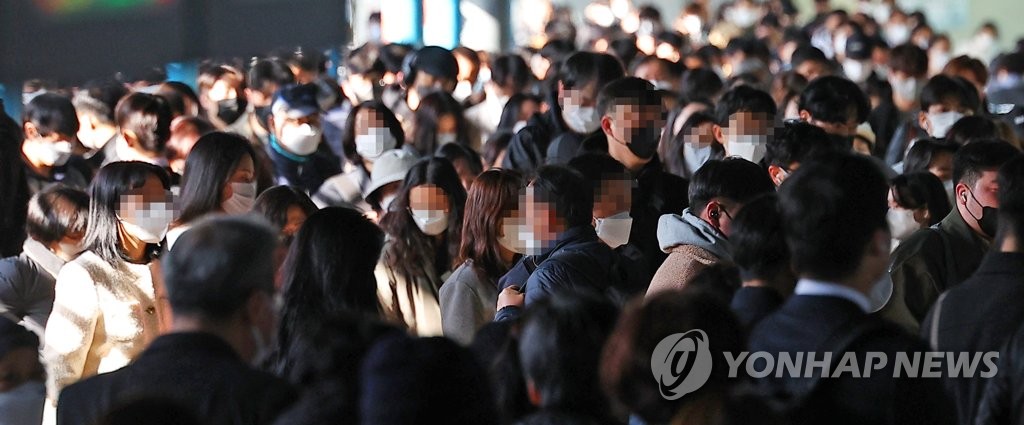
<point>453,236</point>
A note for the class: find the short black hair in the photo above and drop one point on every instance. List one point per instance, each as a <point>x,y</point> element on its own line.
<point>631,91</point>
<point>971,128</point>
<point>99,98</point>
<point>744,98</point>
<point>797,142</point>
<point>830,210</point>
<point>56,212</point>
<point>976,157</point>
<point>364,60</point>
<point>51,113</point>
<point>268,72</point>
<point>510,71</point>
<point>218,264</point>
<point>583,68</point>
<point>567,192</point>
<point>751,47</point>
<point>921,190</point>
<point>148,117</point>
<point>599,167</point>
<point>919,157</point>
<point>942,88</point>
<point>735,179</point>
<point>560,350</point>
<point>701,84</point>
<point>758,239</point>
<point>910,59</point>
<point>833,99</point>
<point>807,53</point>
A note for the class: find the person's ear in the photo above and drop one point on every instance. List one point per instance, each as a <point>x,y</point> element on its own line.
<point>804,115</point>
<point>961,193</point>
<point>130,137</point>
<point>776,172</point>
<point>31,131</point>
<point>923,215</point>
<point>713,214</point>
<point>606,125</point>
<point>533,393</point>
<point>923,122</point>
<point>561,89</point>
<point>719,133</point>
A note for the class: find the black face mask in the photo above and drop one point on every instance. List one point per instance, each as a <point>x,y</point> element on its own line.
<point>228,110</point>
<point>989,220</point>
<point>263,116</point>
<point>643,142</point>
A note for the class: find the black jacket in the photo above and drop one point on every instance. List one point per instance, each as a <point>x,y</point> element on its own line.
<point>656,192</point>
<point>1003,400</point>
<point>544,133</point>
<point>751,304</point>
<point>977,316</point>
<point>199,371</point>
<point>307,172</point>
<point>814,324</point>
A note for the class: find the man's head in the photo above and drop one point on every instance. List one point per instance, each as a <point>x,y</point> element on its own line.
<point>558,199</point>
<point>220,278</point>
<point>759,245</point>
<point>810,62</point>
<point>795,144</point>
<point>50,125</point>
<point>295,119</point>
<point>975,174</point>
<point>57,219</point>
<point>222,94</point>
<point>944,100</point>
<point>431,68</point>
<point>266,77</point>
<point>613,195</point>
<point>908,67</point>
<point>581,78</point>
<point>745,117</point>
<point>833,213</point>
<point>835,104</point>
<point>1011,202</point>
<point>632,117</point>
<point>664,74</point>
<point>95,104</point>
<point>145,126</point>
<point>720,188</point>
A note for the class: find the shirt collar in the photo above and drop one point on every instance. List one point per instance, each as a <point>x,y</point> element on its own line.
<point>276,146</point>
<point>42,256</point>
<point>828,289</point>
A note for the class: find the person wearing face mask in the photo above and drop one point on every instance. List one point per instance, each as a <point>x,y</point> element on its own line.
<point>563,250</point>
<point>632,120</point>
<point>109,301</point>
<point>222,96</point>
<point>56,225</point>
<point>692,146</point>
<point>50,125</point>
<point>555,136</point>
<point>220,283</point>
<point>370,131</point>
<point>510,76</point>
<point>489,247</point>
<point>440,121</point>
<point>264,78</point>
<point>944,100</point>
<point>613,198</point>
<point>220,178</point>
<point>929,262</point>
<point>364,71</point>
<point>699,237</point>
<point>745,116</point>
<point>296,149</point>
<point>916,201</point>
<point>424,228</point>
<point>908,69</point>
<point>857,64</point>
<point>1006,90</point>
<point>426,70</point>
<point>94,104</point>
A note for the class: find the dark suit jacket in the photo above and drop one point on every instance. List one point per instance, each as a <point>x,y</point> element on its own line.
<point>198,371</point>
<point>810,324</point>
<point>978,315</point>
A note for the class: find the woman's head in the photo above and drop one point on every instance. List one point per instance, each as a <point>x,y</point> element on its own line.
<point>916,200</point>
<point>371,130</point>
<point>931,156</point>
<point>492,199</point>
<point>439,121</point>
<point>220,175</point>
<point>131,204</point>
<point>696,132</point>
<point>286,207</point>
<point>467,162</point>
<point>330,266</point>
<point>519,108</point>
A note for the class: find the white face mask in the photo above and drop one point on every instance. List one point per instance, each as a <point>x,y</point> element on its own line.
<point>53,154</point>
<point>907,89</point>
<point>856,70</point>
<point>149,224</point>
<point>301,140</point>
<point>902,223</point>
<point>938,61</point>
<point>512,237</point>
<point>243,197</point>
<point>942,122</point>
<point>897,34</point>
<point>581,119</point>
<point>743,17</point>
<point>430,222</point>
<point>661,85</point>
<point>373,144</point>
<point>750,147</point>
<point>615,230</point>
<point>839,44</point>
<point>446,138</point>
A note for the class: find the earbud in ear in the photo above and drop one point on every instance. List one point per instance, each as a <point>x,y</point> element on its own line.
<point>714,214</point>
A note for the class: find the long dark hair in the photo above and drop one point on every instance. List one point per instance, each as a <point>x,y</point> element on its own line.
<point>329,269</point>
<point>672,153</point>
<point>432,108</point>
<point>208,168</point>
<point>13,187</point>
<point>493,196</point>
<point>113,181</point>
<point>409,248</point>
<point>348,138</point>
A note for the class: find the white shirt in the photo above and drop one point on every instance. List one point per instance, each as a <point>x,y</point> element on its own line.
<point>828,289</point>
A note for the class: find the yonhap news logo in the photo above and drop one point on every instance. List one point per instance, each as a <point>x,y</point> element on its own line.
<point>682,362</point>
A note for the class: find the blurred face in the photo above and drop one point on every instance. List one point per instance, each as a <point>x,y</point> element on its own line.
<point>428,197</point>
<point>541,219</point>
<point>296,217</point>
<point>447,124</point>
<point>942,165</point>
<point>920,215</point>
<point>224,89</point>
<point>656,74</point>
<point>527,109</point>
<point>812,69</point>
<point>245,172</point>
<point>47,151</point>
<point>282,123</point>
<point>615,196</point>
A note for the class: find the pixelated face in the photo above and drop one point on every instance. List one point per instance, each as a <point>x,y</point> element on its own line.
<point>366,119</point>
<point>541,218</point>
<point>748,124</point>
<point>701,136</point>
<point>148,201</point>
<point>224,89</point>
<point>295,218</point>
<point>585,96</point>
<point>428,197</point>
<point>630,117</point>
<point>615,196</point>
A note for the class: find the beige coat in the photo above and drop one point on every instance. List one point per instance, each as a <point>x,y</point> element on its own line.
<point>103,316</point>
<point>684,263</point>
<point>420,313</point>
